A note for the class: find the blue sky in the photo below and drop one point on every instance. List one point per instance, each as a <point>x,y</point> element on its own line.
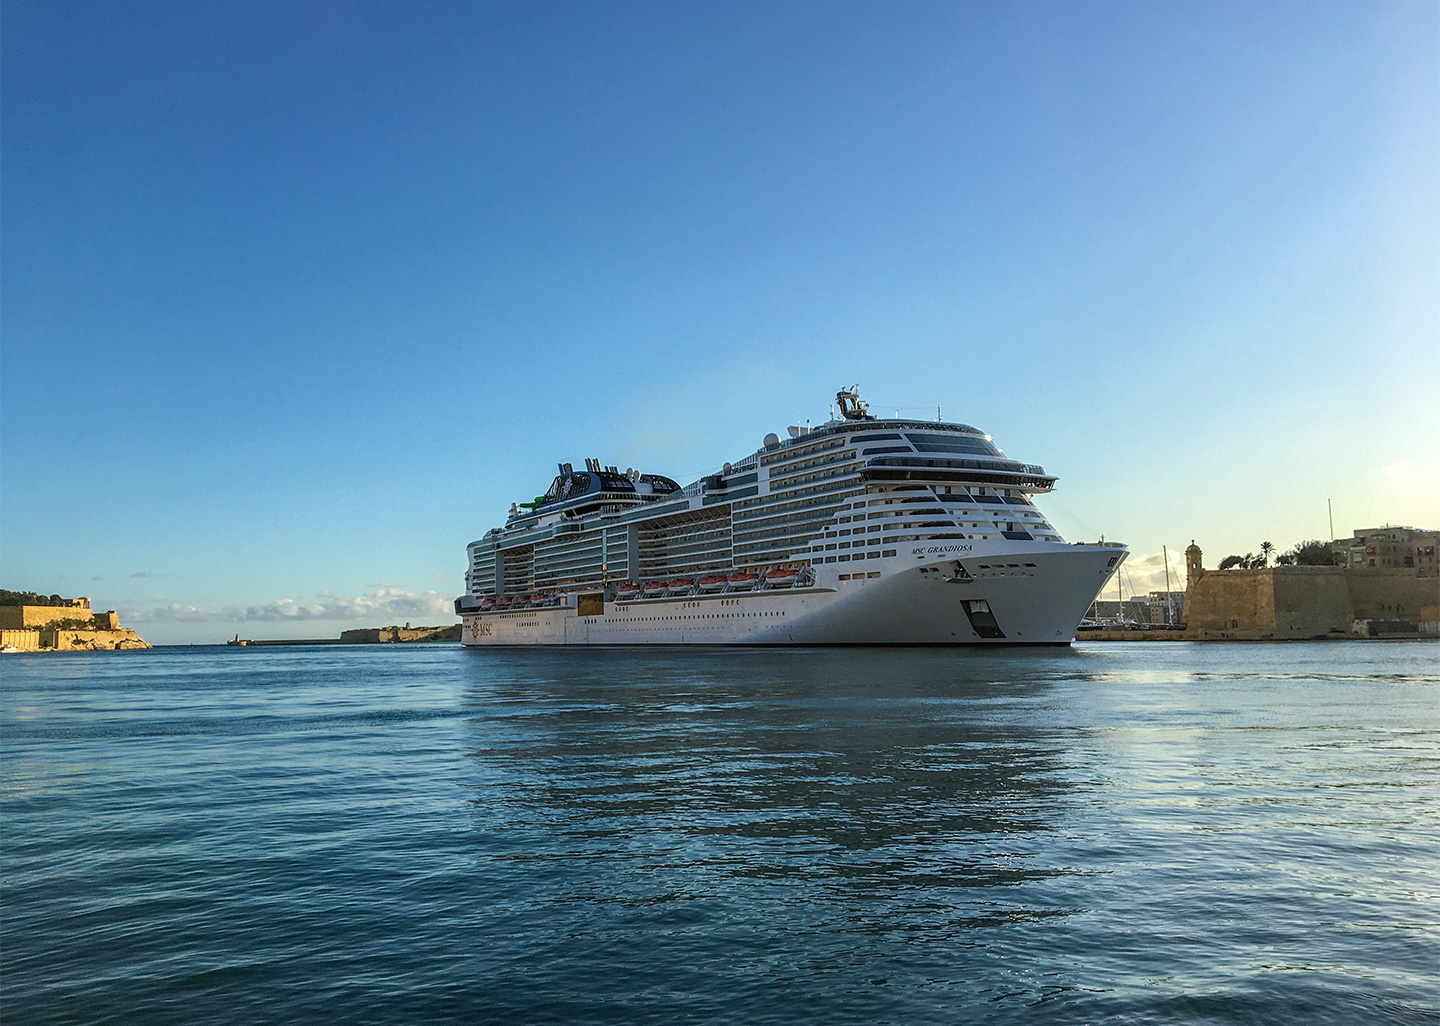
<point>296,298</point>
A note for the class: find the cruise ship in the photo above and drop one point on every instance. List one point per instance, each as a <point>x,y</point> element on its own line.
<point>861,531</point>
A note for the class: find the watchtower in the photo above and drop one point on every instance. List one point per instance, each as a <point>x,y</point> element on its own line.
<point>1194,569</point>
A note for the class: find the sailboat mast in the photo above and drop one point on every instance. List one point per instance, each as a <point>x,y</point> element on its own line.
<point>1169,605</point>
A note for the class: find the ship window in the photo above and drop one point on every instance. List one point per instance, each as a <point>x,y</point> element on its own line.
<point>876,450</point>
<point>880,437</point>
<point>888,552</point>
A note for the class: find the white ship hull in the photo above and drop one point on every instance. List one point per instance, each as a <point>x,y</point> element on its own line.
<point>858,532</point>
<point>1038,597</point>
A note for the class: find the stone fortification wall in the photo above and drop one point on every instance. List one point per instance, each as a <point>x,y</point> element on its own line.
<point>1310,600</point>
<point>1392,594</point>
<point>90,641</point>
<point>1232,603</point>
<point>1302,601</point>
<point>25,641</point>
<point>19,618</point>
<point>380,635</point>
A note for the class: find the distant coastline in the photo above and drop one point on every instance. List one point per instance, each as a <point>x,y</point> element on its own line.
<point>392,635</point>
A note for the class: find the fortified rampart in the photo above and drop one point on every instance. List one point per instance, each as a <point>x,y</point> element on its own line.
<point>382,635</point>
<point>21,641</point>
<point>1304,601</point>
<point>71,627</point>
<point>89,641</point>
<point>21,618</point>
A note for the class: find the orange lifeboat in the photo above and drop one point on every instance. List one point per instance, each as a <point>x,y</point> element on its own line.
<point>744,580</point>
<point>713,582</point>
<point>781,578</point>
<point>681,585</point>
<point>654,589</point>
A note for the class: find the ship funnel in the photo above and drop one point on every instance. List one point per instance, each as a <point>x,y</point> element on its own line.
<point>852,407</point>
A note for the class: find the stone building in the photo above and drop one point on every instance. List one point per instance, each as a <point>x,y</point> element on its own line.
<point>1395,548</point>
<point>1158,607</point>
<point>1426,545</point>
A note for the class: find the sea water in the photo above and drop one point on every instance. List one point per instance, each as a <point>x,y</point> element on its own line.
<point>1147,833</point>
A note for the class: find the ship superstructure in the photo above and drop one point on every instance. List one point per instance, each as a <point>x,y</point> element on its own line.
<point>859,531</point>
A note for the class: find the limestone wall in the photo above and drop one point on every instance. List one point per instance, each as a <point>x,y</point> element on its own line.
<point>25,641</point>
<point>1392,594</point>
<point>380,635</point>
<point>13,618</point>
<point>1310,600</point>
<point>1234,603</point>
<point>90,641</point>
<point>1302,601</point>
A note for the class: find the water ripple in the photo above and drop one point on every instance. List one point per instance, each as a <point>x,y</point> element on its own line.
<point>1130,833</point>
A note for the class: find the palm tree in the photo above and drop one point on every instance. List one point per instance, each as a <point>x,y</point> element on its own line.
<point>1265,549</point>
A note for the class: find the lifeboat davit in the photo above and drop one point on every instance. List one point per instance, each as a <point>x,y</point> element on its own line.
<point>743,581</point>
<point>713,582</point>
<point>781,578</point>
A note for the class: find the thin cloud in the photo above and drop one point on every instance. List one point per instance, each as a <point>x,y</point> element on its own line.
<point>1142,574</point>
<point>142,573</point>
<point>386,605</point>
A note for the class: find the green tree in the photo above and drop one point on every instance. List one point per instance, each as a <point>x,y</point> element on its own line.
<point>1314,553</point>
<point>1229,561</point>
<point>1265,549</point>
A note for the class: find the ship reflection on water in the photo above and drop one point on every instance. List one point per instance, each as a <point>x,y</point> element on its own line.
<point>853,789</point>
